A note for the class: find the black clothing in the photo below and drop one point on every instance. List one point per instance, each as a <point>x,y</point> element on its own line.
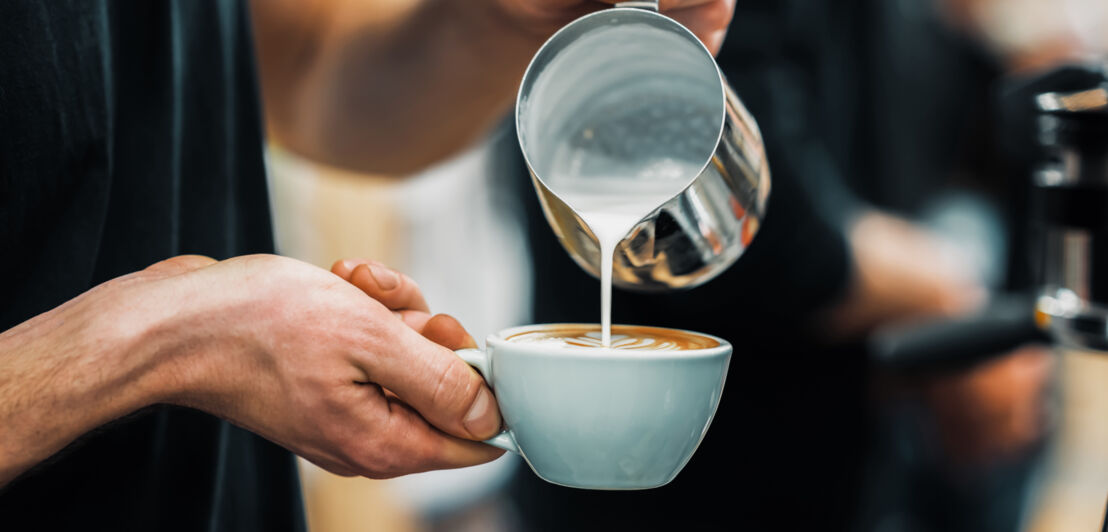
<point>130,131</point>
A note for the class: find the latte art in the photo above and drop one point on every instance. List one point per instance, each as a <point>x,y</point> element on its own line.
<point>622,341</point>
<point>624,337</point>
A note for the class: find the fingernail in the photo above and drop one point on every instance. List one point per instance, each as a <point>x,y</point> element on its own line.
<point>479,421</point>
<point>386,278</point>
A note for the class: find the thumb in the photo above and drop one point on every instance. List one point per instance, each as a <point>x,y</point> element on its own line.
<point>435,381</point>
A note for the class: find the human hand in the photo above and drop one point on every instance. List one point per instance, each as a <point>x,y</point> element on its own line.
<point>402,295</point>
<point>1026,35</point>
<point>902,272</point>
<point>994,411</point>
<point>287,350</point>
<point>393,289</point>
<point>708,19</point>
<point>306,360</point>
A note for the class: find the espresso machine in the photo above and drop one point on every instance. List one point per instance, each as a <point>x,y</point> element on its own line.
<point>1070,195</point>
<point>1058,124</point>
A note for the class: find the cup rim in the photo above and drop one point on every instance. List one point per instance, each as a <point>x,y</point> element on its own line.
<point>499,339</point>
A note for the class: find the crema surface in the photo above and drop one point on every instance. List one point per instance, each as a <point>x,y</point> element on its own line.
<point>624,337</point>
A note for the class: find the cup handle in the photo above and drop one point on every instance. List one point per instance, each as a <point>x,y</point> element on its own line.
<point>480,361</point>
<point>651,5</point>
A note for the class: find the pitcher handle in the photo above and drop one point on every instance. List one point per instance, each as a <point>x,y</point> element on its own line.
<point>651,5</point>
<point>480,362</point>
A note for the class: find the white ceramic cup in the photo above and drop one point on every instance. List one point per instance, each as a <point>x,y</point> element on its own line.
<point>602,418</point>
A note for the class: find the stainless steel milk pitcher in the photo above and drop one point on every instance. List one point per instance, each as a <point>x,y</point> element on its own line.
<point>629,91</point>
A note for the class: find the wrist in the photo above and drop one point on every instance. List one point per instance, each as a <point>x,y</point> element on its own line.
<point>68,371</point>
<point>180,336</point>
<point>133,333</point>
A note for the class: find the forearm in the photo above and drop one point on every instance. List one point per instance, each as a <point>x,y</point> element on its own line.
<point>68,371</point>
<point>347,85</point>
<point>901,272</point>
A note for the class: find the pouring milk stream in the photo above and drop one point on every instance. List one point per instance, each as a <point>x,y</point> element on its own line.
<point>611,206</point>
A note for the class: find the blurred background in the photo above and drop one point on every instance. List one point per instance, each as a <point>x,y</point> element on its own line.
<point>886,113</point>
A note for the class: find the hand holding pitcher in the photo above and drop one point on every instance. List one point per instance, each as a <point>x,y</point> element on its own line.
<point>708,19</point>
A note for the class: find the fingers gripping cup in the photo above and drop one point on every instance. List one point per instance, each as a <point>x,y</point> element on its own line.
<point>623,417</point>
<point>624,113</point>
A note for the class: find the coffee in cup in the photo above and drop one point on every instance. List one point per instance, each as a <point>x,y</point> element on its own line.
<point>628,416</point>
<point>624,337</point>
